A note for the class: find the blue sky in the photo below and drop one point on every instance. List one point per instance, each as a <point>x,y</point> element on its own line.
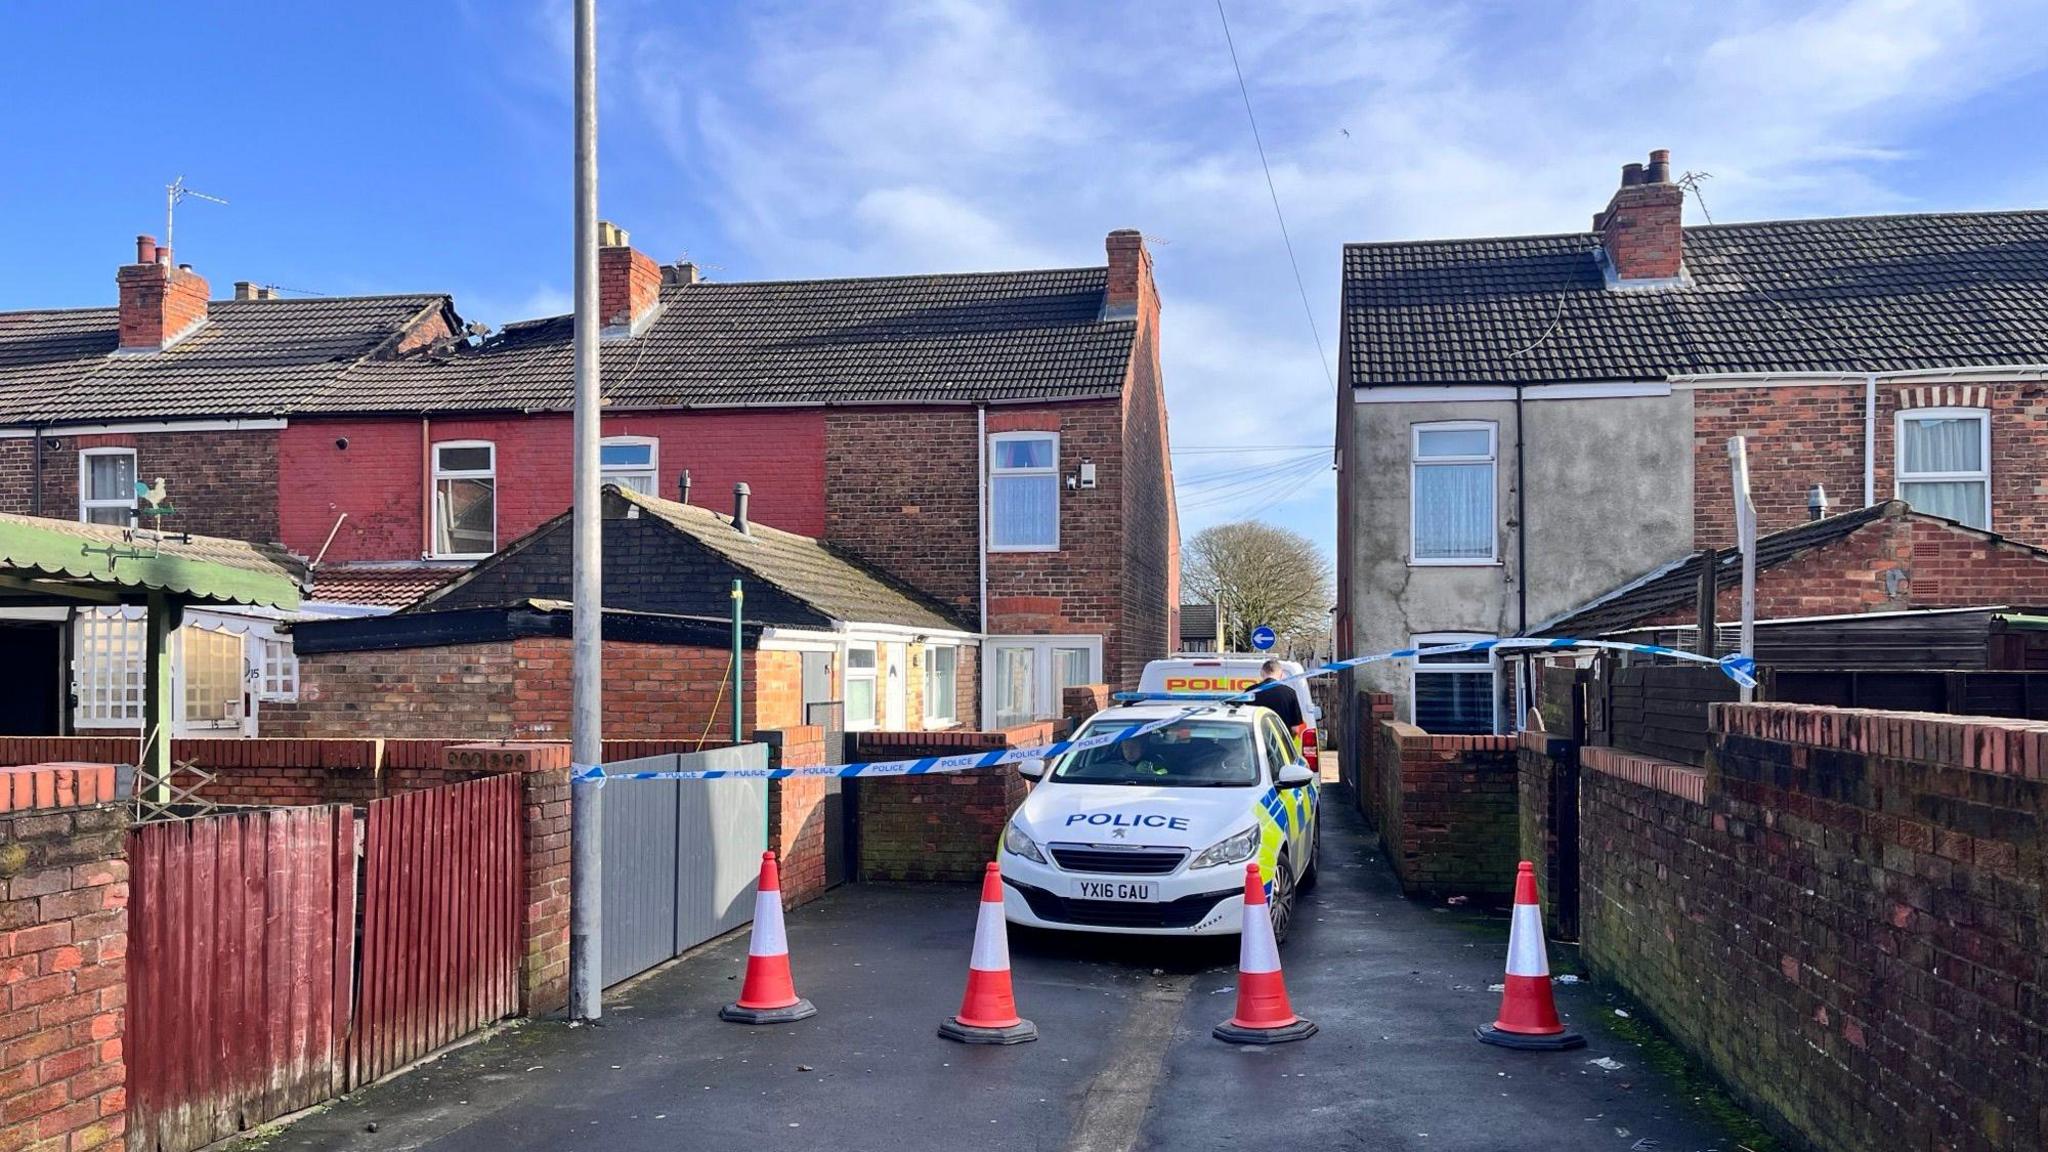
<point>382,147</point>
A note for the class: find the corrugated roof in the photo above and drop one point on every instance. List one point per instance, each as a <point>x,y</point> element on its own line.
<point>201,568</point>
<point>1849,294</point>
<point>986,336</point>
<point>252,358</point>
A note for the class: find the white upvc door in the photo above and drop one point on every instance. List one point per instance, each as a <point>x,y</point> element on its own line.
<point>896,673</point>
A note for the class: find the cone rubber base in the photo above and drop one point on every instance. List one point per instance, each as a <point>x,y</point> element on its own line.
<point>1023,1031</point>
<point>1239,1034</point>
<point>801,1010</point>
<point>1522,1041</point>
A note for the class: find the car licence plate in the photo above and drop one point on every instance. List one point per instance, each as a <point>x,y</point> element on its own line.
<point>1126,890</point>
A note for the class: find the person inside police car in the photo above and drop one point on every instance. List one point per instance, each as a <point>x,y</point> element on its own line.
<point>1134,756</point>
<point>1280,697</point>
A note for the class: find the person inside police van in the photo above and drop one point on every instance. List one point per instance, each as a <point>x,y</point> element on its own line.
<point>1279,697</point>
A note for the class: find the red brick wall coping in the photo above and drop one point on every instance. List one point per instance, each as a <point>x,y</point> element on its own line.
<point>1983,743</point>
<point>1681,780</point>
<point>56,786</point>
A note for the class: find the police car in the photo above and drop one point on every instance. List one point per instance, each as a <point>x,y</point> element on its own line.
<point>1151,835</point>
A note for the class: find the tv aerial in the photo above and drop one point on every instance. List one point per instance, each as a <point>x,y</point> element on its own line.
<point>174,193</point>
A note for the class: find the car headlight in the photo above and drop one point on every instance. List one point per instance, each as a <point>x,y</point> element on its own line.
<point>1231,850</point>
<point>1018,844</point>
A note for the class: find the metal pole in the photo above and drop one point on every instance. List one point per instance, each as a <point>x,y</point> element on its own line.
<point>586,736</point>
<point>739,671</point>
<point>1745,532</point>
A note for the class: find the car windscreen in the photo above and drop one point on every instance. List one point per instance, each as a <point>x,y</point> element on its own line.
<point>1193,753</point>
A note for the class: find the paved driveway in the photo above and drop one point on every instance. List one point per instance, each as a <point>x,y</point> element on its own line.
<point>1126,1060</point>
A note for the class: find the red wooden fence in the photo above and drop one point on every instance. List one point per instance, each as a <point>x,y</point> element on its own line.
<point>241,954</point>
<point>442,902</point>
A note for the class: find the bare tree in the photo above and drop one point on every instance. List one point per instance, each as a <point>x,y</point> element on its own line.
<point>1260,574</point>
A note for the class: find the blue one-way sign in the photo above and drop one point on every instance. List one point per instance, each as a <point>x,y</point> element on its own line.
<point>1263,637</point>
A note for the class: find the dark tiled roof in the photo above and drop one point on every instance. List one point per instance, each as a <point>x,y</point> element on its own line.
<point>378,587</point>
<point>1864,294</point>
<point>252,358</point>
<point>803,568</point>
<point>990,336</point>
<point>1675,586</point>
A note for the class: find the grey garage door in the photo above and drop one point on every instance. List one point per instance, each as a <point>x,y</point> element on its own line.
<point>681,857</point>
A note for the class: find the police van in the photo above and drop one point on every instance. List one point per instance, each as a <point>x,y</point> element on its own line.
<point>1199,674</point>
<point>1150,835</point>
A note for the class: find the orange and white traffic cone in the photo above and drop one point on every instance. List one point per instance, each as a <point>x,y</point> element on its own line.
<point>1263,1014</point>
<point>988,1013</point>
<point>769,995</point>
<point>1528,1014</point>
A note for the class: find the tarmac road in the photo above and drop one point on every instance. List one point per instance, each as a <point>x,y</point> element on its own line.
<point>1125,1060</point>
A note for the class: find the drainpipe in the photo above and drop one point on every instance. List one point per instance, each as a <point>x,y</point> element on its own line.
<point>739,661</point>
<point>1524,667</point>
<point>981,483</point>
<point>426,489</point>
<point>1869,439</point>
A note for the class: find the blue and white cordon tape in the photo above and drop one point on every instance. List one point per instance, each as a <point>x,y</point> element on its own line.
<point>1738,667</point>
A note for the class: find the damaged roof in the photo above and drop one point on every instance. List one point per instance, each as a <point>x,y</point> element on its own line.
<point>1845,294</point>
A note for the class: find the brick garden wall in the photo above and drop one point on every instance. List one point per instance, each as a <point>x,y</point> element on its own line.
<point>1447,809</point>
<point>1548,786</point>
<point>543,771</point>
<point>63,978</point>
<point>940,827</point>
<point>1842,915</point>
<point>796,812</point>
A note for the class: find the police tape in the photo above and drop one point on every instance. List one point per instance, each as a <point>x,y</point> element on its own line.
<point>1737,667</point>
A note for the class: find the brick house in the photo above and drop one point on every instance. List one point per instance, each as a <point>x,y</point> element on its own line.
<point>1532,421</point>
<point>996,441</point>
<point>487,655</point>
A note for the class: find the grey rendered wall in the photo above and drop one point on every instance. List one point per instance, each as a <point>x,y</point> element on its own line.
<point>1610,496</point>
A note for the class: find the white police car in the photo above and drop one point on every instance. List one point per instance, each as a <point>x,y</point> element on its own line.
<point>1151,835</point>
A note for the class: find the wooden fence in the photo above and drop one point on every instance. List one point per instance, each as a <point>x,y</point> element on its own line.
<point>242,936</point>
<point>441,911</point>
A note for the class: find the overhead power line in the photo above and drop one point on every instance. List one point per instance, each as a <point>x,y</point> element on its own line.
<point>1307,309</point>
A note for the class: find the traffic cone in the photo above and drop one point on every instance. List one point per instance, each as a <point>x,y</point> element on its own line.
<point>988,1013</point>
<point>1263,1014</point>
<point>1528,1015</point>
<point>769,995</point>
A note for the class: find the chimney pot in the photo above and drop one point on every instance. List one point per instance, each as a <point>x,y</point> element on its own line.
<point>145,249</point>
<point>1817,502</point>
<point>1642,229</point>
<point>740,493</point>
<point>160,302</point>
<point>1631,175</point>
<point>683,486</point>
<point>248,290</point>
<point>1659,171</point>
<point>682,273</point>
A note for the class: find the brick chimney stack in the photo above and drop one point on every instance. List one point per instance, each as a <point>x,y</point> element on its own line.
<point>1130,276</point>
<point>1641,232</point>
<point>628,280</point>
<point>161,303</point>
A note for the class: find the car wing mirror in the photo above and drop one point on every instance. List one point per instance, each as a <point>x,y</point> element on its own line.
<point>1294,776</point>
<point>1031,769</point>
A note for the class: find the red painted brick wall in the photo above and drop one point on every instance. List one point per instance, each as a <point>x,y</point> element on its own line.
<point>1843,919</point>
<point>1448,811</point>
<point>377,480</point>
<point>942,827</point>
<point>63,978</point>
<point>1799,435</point>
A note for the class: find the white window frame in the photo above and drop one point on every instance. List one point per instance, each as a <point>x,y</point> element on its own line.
<point>951,714</point>
<point>86,503</point>
<point>613,474</point>
<point>995,473</point>
<point>108,661</point>
<point>434,493</point>
<point>1983,475</point>
<point>1045,702</point>
<point>872,675</point>
<point>1481,662</point>
<point>277,668</point>
<point>1417,461</point>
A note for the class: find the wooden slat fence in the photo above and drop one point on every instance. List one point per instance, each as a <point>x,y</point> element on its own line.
<point>239,967</point>
<point>442,879</point>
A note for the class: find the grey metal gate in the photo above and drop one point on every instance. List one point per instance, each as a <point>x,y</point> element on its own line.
<point>681,857</point>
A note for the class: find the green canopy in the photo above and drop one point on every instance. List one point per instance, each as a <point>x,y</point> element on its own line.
<point>57,561</point>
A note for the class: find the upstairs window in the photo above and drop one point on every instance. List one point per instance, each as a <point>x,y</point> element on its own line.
<point>1024,492</point>
<point>630,462</point>
<point>465,499</point>
<point>1945,463</point>
<point>106,486</point>
<point>1451,486</point>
